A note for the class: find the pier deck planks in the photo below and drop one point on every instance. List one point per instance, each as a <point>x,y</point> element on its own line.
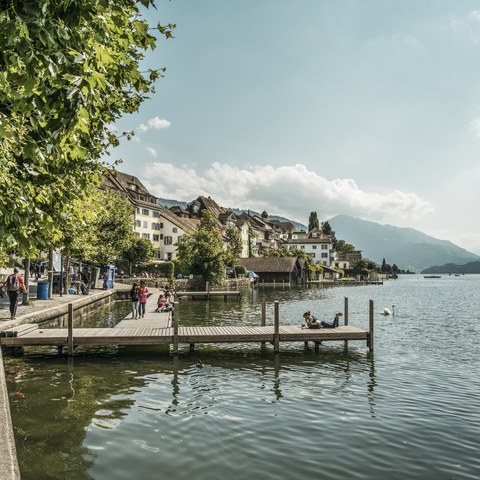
<point>156,329</point>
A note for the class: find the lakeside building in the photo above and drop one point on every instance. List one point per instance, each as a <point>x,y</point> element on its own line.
<point>151,220</point>
<point>316,244</point>
<point>345,261</point>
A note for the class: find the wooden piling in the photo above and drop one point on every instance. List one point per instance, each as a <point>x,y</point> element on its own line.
<point>264,316</point>
<point>70,330</point>
<point>345,312</point>
<point>371,331</point>
<point>175,335</point>
<point>276,336</point>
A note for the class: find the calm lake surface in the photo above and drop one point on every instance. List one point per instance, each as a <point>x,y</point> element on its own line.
<point>410,410</point>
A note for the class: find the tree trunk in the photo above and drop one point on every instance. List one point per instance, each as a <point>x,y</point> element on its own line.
<point>50,272</point>
<point>26,279</point>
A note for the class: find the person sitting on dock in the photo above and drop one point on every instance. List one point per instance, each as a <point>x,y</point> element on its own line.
<point>334,324</point>
<point>161,302</point>
<point>311,321</point>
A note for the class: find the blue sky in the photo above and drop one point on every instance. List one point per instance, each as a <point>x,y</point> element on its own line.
<point>369,108</point>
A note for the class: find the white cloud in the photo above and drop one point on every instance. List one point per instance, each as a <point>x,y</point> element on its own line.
<point>151,151</point>
<point>156,123</point>
<point>292,191</point>
<point>475,15</point>
<point>475,126</point>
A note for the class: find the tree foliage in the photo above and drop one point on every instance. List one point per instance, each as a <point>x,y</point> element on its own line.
<point>327,230</point>
<point>344,247</point>
<point>69,69</point>
<point>313,221</point>
<point>234,248</point>
<point>201,252</point>
<point>140,250</point>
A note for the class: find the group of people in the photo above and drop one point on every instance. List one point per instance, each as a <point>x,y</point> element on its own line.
<point>13,287</point>
<point>139,295</point>
<point>312,322</point>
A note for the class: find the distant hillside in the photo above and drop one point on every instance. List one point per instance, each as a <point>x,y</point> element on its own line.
<point>406,247</point>
<point>171,203</point>
<point>470,267</point>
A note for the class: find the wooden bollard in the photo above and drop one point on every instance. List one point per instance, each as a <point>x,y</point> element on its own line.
<point>175,335</point>
<point>345,312</point>
<point>70,330</point>
<point>264,316</point>
<point>276,335</point>
<point>371,333</point>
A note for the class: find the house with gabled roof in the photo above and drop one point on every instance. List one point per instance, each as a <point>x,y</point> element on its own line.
<point>277,269</point>
<point>316,244</point>
<point>151,220</point>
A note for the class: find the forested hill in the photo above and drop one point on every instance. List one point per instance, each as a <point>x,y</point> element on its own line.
<point>406,247</point>
<point>470,267</point>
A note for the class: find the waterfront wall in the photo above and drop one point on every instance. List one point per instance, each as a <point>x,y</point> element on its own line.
<point>8,458</point>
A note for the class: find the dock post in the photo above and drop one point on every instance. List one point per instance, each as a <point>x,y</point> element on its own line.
<point>70,330</point>
<point>175,335</point>
<point>370,334</point>
<point>276,336</point>
<point>264,317</point>
<point>345,312</point>
<point>207,285</point>
<point>264,312</point>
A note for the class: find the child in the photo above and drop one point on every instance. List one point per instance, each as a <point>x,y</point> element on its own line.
<point>161,302</point>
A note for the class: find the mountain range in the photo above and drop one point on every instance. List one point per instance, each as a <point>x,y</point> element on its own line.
<point>408,248</point>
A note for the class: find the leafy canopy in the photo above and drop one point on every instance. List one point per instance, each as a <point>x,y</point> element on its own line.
<point>69,69</point>
<point>201,253</point>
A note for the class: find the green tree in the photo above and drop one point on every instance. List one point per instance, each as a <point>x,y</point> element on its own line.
<point>313,221</point>
<point>140,250</point>
<point>327,230</point>
<point>112,227</point>
<point>343,247</point>
<point>69,69</point>
<point>234,247</point>
<point>201,252</point>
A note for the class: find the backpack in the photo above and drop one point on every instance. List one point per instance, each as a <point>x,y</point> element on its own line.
<point>13,283</point>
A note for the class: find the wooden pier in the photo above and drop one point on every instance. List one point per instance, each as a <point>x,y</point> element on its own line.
<point>163,329</point>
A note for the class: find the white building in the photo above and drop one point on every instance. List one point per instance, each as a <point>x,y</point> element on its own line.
<point>315,244</point>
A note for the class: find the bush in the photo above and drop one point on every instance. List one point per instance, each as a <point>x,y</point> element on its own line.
<point>240,271</point>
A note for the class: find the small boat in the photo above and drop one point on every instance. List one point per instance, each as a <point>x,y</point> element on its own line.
<point>432,276</point>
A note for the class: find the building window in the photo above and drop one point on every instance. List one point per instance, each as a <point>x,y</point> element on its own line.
<point>312,255</point>
<point>324,255</point>
<point>174,229</point>
<point>146,235</point>
<point>145,224</point>
<point>302,247</point>
<point>138,210</point>
<point>161,224</point>
<point>156,238</point>
<point>324,247</point>
<point>156,214</point>
<point>161,236</point>
<point>314,247</point>
<point>167,240</point>
<point>137,234</point>
<point>138,223</point>
<point>145,211</point>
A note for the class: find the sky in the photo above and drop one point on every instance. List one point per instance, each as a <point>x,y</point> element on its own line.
<point>369,108</point>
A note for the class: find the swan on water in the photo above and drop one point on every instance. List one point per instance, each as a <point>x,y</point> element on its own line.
<point>387,311</point>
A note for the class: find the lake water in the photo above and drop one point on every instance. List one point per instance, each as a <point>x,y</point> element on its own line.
<point>410,410</point>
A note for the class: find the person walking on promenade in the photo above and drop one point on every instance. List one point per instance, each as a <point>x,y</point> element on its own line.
<point>14,285</point>
<point>142,296</point>
<point>135,301</point>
